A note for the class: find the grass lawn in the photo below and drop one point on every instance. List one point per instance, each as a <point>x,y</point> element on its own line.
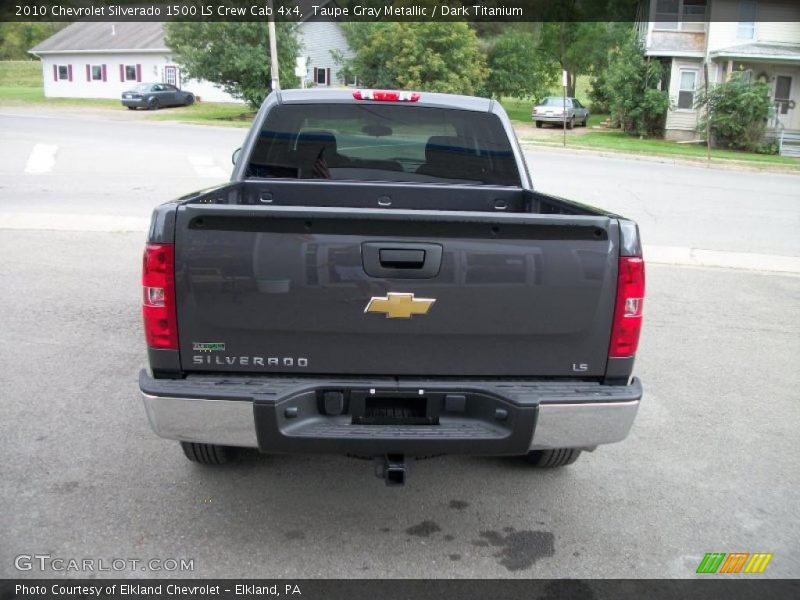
<point>21,83</point>
<point>20,73</point>
<point>209,113</point>
<point>616,141</point>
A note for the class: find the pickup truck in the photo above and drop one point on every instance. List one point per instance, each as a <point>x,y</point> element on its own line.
<point>380,279</point>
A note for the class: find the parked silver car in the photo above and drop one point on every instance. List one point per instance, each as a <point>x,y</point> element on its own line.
<point>551,110</point>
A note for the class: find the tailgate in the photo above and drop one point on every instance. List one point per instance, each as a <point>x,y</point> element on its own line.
<point>376,292</point>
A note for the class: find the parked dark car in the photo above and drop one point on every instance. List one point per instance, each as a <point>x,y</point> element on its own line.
<point>156,95</point>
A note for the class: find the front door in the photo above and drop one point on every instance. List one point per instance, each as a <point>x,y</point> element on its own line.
<point>785,101</point>
<point>171,75</point>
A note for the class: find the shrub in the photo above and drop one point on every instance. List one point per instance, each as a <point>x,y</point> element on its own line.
<point>737,113</point>
<point>631,86</point>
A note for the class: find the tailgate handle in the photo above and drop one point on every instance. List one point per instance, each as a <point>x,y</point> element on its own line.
<point>396,260</point>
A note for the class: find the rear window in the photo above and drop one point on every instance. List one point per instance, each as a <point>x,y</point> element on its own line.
<point>555,101</point>
<point>373,142</point>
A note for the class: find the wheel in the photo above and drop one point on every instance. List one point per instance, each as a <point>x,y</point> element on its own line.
<point>153,104</point>
<point>538,124</point>
<point>131,107</point>
<point>206,454</point>
<point>586,120</point>
<point>557,457</point>
<point>571,123</point>
<point>189,100</point>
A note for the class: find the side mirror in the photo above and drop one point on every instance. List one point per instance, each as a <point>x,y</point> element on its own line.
<point>235,156</point>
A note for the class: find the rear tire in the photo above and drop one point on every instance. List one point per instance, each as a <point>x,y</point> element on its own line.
<point>154,104</point>
<point>131,107</point>
<point>538,124</point>
<point>550,459</point>
<point>206,454</point>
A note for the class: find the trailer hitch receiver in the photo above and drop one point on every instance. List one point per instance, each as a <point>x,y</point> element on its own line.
<point>391,468</point>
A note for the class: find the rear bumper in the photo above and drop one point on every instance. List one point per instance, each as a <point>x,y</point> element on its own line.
<point>551,118</point>
<point>134,102</point>
<point>499,417</point>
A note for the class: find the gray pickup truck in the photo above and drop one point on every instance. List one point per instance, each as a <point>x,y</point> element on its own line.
<point>380,279</point>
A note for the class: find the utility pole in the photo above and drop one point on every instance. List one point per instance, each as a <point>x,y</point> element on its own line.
<point>273,48</point>
<point>564,75</point>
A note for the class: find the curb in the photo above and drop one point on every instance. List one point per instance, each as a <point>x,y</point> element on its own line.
<point>723,164</point>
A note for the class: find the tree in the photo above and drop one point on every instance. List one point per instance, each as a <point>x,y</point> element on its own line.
<point>17,38</point>
<point>436,57</point>
<point>737,112</point>
<point>631,86</point>
<point>234,55</point>
<point>517,67</point>
<point>581,48</point>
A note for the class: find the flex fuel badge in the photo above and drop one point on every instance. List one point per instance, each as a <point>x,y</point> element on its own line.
<point>208,346</point>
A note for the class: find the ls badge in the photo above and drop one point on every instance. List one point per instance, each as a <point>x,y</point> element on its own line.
<point>399,306</point>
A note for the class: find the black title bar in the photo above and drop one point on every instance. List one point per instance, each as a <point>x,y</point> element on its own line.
<point>357,10</point>
<point>733,588</point>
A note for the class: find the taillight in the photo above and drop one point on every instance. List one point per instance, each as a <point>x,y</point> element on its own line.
<point>158,296</point>
<point>628,310</point>
<point>386,96</point>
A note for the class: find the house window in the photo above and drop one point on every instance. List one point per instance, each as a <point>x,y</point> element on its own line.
<point>63,72</point>
<point>97,73</point>
<point>694,15</point>
<point>130,72</point>
<point>683,15</point>
<point>747,19</point>
<point>783,88</point>
<point>687,89</point>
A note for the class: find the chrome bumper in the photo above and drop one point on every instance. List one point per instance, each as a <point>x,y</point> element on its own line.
<point>550,118</point>
<point>231,422</point>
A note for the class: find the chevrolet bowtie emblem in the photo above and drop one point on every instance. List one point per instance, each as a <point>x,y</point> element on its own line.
<point>399,306</point>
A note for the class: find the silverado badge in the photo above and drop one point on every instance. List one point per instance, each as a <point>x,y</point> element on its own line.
<point>399,306</point>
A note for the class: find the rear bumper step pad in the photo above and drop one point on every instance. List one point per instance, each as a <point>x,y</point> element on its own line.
<point>489,417</point>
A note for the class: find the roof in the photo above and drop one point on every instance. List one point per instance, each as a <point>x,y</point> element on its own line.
<point>87,36</point>
<point>759,50</point>
<point>427,99</point>
<point>121,36</point>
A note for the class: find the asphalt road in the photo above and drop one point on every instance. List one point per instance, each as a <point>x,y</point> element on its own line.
<point>124,168</point>
<point>712,463</point>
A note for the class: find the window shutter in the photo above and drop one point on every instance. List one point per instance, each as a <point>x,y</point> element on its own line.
<point>315,75</point>
<point>122,73</point>
<point>138,72</point>
<point>88,73</point>
<point>327,76</point>
<point>103,69</point>
<point>69,72</point>
<point>55,72</point>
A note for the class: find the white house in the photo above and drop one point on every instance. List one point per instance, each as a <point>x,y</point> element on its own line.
<point>321,41</point>
<point>101,60</point>
<point>718,37</point>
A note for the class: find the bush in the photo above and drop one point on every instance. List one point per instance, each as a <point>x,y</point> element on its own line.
<point>598,96</point>
<point>737,114</point>
<point>631,86</point>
